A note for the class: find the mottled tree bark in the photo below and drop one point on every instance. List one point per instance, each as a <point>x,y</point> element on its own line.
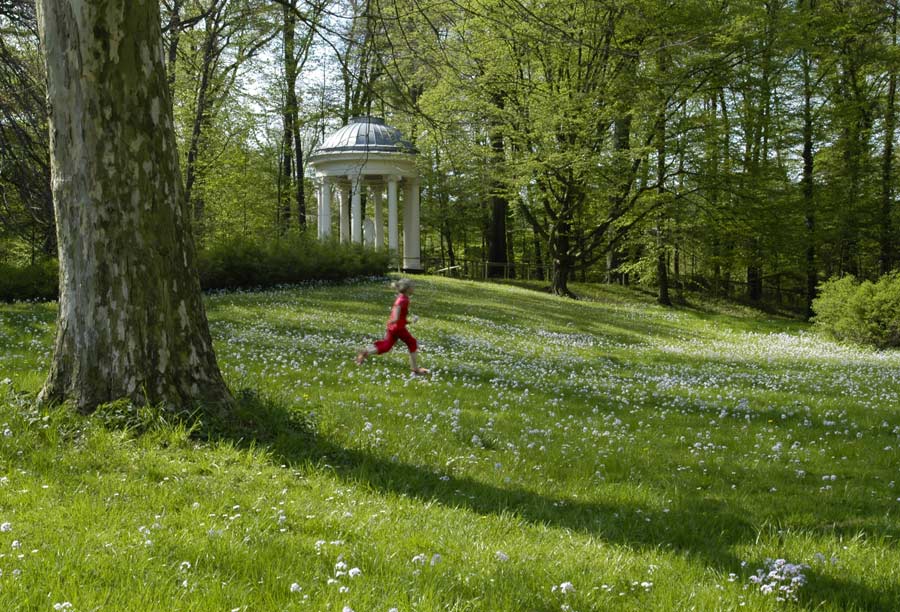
<point>131,319</point>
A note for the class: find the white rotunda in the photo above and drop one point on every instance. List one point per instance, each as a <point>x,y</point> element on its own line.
<point>368,157</point>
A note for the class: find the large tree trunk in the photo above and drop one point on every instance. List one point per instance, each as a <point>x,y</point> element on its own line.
<point>131,319</point>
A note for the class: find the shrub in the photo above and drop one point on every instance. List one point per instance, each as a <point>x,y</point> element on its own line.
<point>866,313</point>
<point>230,264</point>
<point>35,282</point>
<point>243,263</point>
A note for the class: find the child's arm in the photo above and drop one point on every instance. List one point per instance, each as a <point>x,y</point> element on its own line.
<point>395,315</point>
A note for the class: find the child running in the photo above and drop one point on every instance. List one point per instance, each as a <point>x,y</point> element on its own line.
<point>396,329</point>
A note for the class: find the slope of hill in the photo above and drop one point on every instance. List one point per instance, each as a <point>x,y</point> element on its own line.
<point>605,454</point>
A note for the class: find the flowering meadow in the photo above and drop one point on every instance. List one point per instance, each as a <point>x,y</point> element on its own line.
<point>600,454</point>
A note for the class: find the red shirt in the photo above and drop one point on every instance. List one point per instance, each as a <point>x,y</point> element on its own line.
<point>401,308</point>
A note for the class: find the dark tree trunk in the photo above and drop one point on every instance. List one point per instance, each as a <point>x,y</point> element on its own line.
<point>298,172</point>
<point>293,147</point>
<point>510,255</point>
<point>662,274</point>
<point>611,265</point>
<point>174,29</point>
<point>538,258</point>
<point>24,144</point>
<point>717,272</point>
<point>676,270</point>
<point>560,251</point>
<point>200,111</point>
<point>131,320</point>
<point>287,174</point>
<point>497,249</point>
<point>662,267</point>
<point>622,146</point>
<point>754,283</point>
<point>886,230</point>
<point>855,149</point>
<point>809,205</point>
<point>497,236</point>
<point>448,236</point>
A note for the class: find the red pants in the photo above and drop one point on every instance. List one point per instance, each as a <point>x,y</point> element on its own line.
<point>393,334</point>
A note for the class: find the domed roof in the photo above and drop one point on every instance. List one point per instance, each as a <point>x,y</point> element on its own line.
<point>365,134</point>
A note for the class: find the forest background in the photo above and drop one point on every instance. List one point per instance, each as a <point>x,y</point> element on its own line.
<point>741,148</point>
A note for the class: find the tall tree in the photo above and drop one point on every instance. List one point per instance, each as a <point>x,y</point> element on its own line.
<point>295,54</point>
<point>26,206</point>
<point>356,51</point>
<point>131,319</point>
<point>497,247</point>
<point>885,222</point>
<point>233,32</point>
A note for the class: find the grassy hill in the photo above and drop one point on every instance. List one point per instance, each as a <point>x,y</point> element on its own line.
<point>605,454</point>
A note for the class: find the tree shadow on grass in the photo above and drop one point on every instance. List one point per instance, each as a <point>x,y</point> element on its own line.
<point>708,530</point>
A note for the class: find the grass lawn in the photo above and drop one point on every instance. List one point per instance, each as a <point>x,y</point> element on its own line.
<point>604,454</point>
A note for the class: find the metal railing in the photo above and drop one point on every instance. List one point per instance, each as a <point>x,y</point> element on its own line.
<point>481,270</point>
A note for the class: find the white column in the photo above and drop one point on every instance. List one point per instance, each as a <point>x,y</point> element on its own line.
<point>345,213</point>
<point>355,208</point>
<point>379,218</point>
<point>411,251</point>
<point>393,230</point>
<point>325,208</point>
<point>319,183</point>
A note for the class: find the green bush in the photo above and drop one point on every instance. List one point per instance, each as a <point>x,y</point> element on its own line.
<point>866,313</point>
<point>230,265</point>
<point>35,282</point>
<point>246,263</point>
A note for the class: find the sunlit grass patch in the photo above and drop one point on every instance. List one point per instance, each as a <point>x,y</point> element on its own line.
<point>605,454</point>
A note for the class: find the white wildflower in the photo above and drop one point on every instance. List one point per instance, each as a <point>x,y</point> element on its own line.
<point>565,587</point>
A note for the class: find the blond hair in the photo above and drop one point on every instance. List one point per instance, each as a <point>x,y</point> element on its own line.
<point>402,285</point>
